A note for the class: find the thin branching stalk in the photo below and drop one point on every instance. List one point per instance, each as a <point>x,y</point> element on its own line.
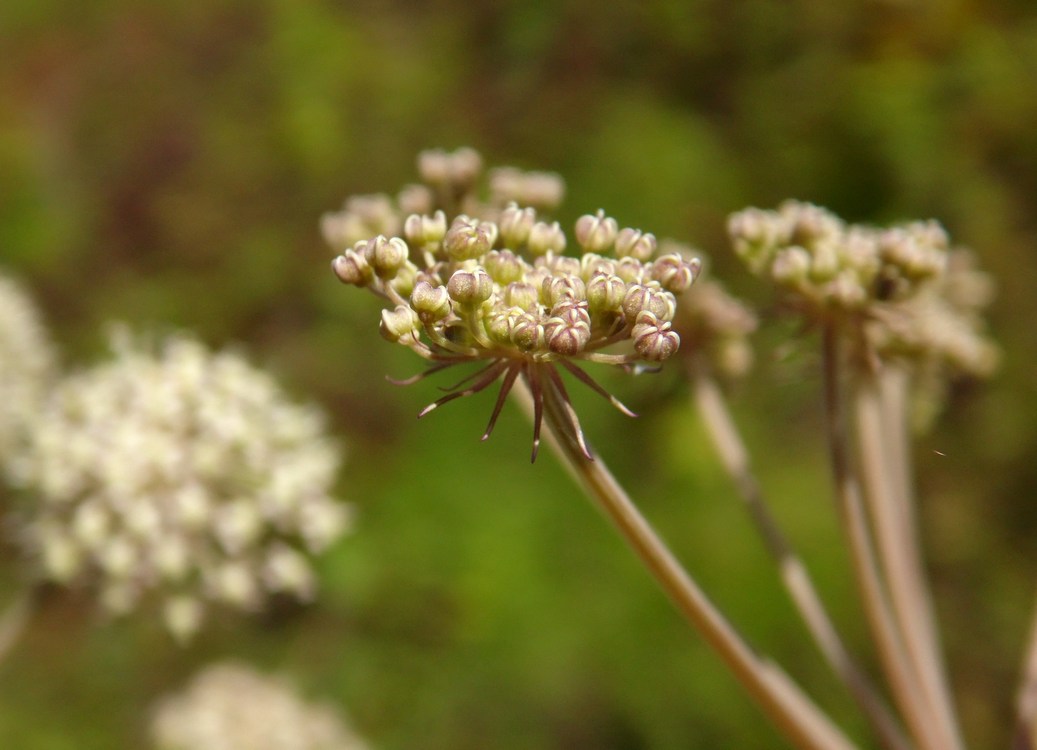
<point>788,707</point>
<point>14,621</point>
<point>898,551</point>
<point>799,585</point>
<point>903,682</point>
<point>1026,699</point>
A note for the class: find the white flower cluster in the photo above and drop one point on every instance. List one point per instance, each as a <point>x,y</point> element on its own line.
<point>182,473</point>
<point>830,265</point>
<point>231,707</point>
<point>28,367</point>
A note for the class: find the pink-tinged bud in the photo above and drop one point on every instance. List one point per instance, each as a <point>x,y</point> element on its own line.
<point>557,288</point>
<point>633,243</point>
<point>674,273</point>
<point>470,287</point>
<point>567,334</point>
<point>352,268</point>
<point>431,302</point>
<point>662,304</point>
<point>631,270</point>
<point>596,233</point>
<point>546,238</point>
<point>653,339</point>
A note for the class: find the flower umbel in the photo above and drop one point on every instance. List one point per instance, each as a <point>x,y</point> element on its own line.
<point>499,293</point>
<point>233,707</point>
<point>182,474</point>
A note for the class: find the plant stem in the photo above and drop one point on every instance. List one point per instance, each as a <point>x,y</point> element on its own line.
<point>784,702</point>
<point>883,479</point>
<point>1026,699</point>
<point>14,620</point>
<point>902,681</point>
<point>730,447</point>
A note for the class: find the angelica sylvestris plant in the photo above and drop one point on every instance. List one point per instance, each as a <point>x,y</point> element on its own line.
<point>499,292</point>
<point>180,475</point>
<point>229,706</point>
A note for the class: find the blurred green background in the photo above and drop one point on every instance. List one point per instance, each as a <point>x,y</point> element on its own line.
<point>166,164</point>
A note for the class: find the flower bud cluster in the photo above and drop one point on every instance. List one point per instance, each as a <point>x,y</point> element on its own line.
<point>28,368</point>
<point>942,325</point>
<point>501,289</point>
<point>831,266</point>
<point>915,297</point>
<point>184,475</point>
<point>232,707</point>
<point>450,187</point>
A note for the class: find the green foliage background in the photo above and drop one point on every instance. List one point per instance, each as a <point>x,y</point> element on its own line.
<point>166,164</point>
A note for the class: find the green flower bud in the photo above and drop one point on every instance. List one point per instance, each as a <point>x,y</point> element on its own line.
<point>400,325</point>
<point>596,233</point>
<point>470,287</point>
<point>403,282</point>
<point>521,294</point>
<point>468,239</point>
<point>653,339</point>
<point>606,292</point>
<point>527,332</point>
<point>432,303</point>
<point>546,238</point>
<point>633,243</point>
<point>504,266</point>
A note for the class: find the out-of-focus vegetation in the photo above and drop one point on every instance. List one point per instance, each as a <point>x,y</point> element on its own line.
<point>166,164</point>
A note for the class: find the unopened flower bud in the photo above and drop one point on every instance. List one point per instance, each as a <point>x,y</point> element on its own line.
<point>470,287</point>
<point>400,325</point>
<point>430,302</point>
<point>791,265</point>
<point>568,331</point>
<point>592,264</point>
<point>633,243</point>
<point>546,238</point>
<point>385,255</point>
<point>415,199</point>
<point>521,294</point>
<point>606,292</point>
<point>662,304</point>
<point>515,224</point>
<point>503,266</point>
<point>557,288</point>
<point>674,273</point>
<point>352,268</point>
<point>425,231</point>
<point>596,233</point>
<point>468,239</point>
<point>653,339</point>
<point>631,270</point>
<point>527,332</point>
